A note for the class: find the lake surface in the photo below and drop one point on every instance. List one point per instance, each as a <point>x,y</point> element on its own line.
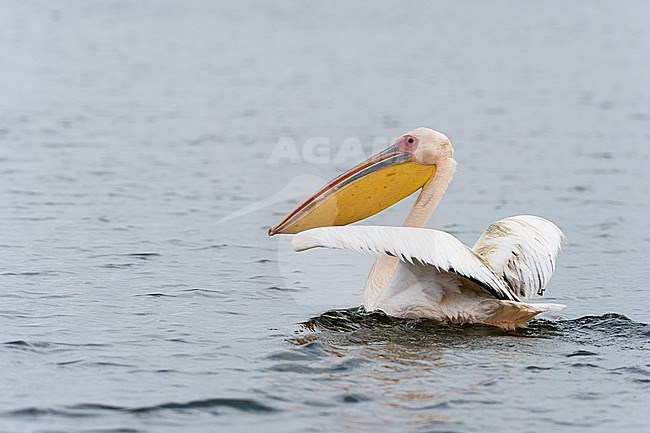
<point>146,147</point>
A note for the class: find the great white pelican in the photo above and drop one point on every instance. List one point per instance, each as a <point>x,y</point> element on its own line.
<point>425,273</point>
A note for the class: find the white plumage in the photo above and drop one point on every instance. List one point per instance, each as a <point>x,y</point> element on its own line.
<point>522,251</point>
<point>439,277</point>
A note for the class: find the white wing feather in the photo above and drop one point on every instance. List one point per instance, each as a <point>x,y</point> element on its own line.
<point>429,247</point>
<point>522,251</point>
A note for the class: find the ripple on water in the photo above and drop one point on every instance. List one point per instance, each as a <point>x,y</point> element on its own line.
<point>345,366</point>
<point>44,346</point>
<point>374,355</point>
<point>91,409</point>
<point>609,326</point>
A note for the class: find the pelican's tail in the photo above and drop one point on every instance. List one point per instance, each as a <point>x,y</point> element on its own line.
<point>511,315</point>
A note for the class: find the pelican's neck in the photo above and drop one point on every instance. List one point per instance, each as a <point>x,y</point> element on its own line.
<point>431,194</point>
<point>384,267</point>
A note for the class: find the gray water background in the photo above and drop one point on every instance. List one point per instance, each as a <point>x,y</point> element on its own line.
<point>128,129</point>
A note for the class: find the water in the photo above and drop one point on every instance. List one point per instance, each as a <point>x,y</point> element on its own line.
<point>128,129</point>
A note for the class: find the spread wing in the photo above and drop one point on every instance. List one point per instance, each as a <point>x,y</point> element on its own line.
<point>522,251</point>
<point>411,245</point>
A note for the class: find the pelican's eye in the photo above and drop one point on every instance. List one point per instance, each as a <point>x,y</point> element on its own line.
<point>407,143</point>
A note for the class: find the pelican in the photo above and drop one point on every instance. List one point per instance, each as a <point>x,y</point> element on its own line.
<point>425,273</point>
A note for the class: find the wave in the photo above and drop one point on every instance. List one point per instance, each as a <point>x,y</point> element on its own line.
<point>93,409</point>
<point>377,324</point>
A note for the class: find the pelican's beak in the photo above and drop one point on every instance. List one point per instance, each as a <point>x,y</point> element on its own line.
<point>368,188</point>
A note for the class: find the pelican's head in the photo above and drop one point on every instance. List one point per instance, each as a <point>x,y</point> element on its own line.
<point>372,186</point>
<point>427,146</point>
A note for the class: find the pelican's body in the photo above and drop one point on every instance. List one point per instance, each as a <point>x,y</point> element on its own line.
<point>423,272</point>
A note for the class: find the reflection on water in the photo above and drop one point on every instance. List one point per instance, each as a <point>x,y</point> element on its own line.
<point>433,370</point>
